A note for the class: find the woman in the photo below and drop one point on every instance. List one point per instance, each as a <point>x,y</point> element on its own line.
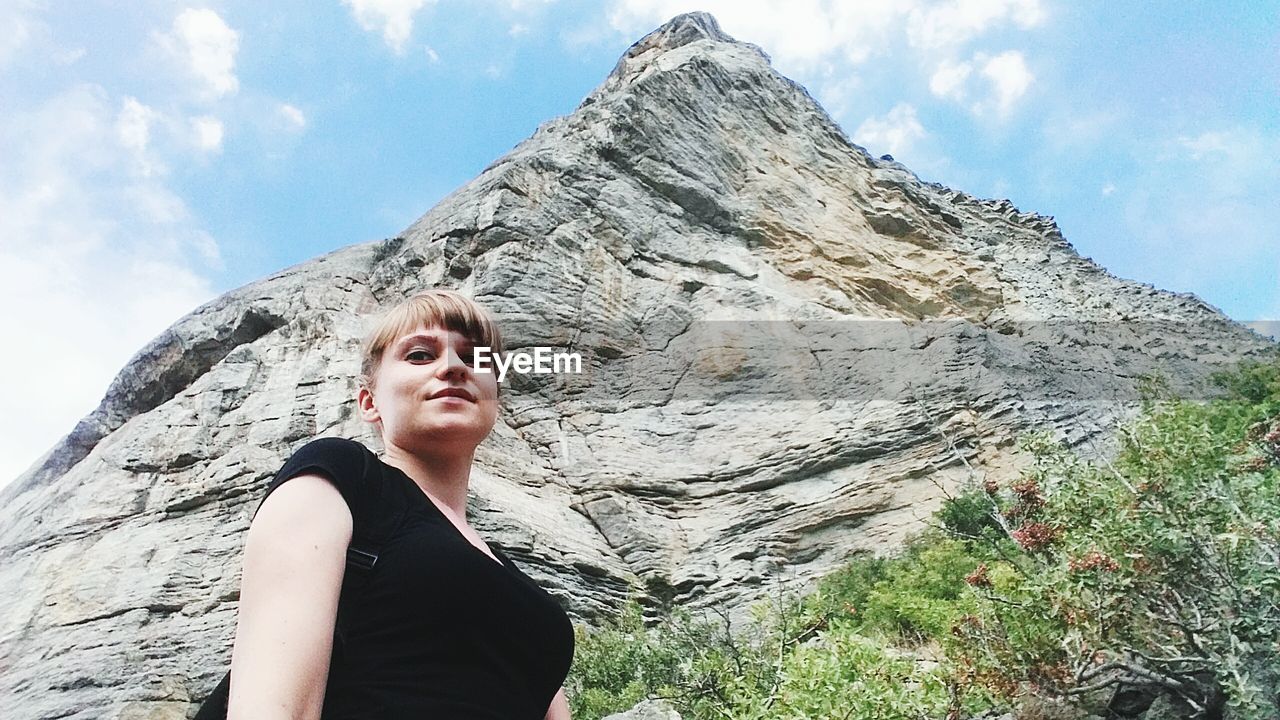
<point>445,626</point>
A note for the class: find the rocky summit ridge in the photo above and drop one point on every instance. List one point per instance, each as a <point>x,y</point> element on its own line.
<point>793,349</point>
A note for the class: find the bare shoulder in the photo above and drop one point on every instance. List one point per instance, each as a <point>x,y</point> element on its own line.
<point>294,560</point>
<point>309,507</point>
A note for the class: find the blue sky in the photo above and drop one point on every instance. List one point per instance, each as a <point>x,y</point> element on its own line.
<point>160,154</point>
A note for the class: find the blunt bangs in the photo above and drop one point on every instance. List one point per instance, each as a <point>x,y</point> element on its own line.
<point>448,309</point>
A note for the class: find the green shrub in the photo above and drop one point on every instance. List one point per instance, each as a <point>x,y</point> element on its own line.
<point>777,667</point>
<point>969,516</point>
<point>1160,566</point>
<point>923,593</point>
<point>619,664</point>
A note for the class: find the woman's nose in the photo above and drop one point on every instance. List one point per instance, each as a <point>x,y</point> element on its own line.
<point>454,364</point>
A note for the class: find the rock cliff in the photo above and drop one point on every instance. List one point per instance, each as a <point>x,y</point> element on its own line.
<point>792,351</point>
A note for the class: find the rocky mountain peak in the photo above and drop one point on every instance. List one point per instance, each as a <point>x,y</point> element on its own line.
<point>698,29</point>
<point>679,31</point>
<point>793,351</point>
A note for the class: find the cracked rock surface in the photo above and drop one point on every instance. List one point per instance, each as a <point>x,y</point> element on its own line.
<point>791,350</point>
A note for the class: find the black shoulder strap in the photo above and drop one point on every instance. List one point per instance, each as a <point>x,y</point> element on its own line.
<point>379,514</point>
<point>380,511</point>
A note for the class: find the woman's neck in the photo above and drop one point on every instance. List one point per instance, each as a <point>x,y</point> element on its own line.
<point>444,477</point>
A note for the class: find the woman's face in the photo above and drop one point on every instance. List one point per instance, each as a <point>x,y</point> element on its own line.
<point>407,398</point>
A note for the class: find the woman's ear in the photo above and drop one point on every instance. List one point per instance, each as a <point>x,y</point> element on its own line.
<point>366,406</point>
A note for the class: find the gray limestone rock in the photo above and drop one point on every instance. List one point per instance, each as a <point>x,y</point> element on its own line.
<point>791,351</point>
<point>648,710</point>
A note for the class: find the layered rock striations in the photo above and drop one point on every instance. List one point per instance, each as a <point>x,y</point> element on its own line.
<point>792,351</point>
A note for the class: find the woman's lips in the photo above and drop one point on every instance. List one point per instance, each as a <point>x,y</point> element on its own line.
<point>451,397</point>
<point>454,392</point>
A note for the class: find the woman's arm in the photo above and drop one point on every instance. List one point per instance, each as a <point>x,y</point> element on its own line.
<point>294,558</point>
<point>559,709</point>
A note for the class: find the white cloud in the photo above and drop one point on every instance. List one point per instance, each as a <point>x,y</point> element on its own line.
<point>207,131</point>
<point>1078,130</point>
<point>1208,144</point>
<point>133,128</point>
<point>1204,202</point>
<point>24,36</point>
<point>801,35</point>
<point>207,46</point>
<point>948,81</point>
<point>954,22</point>
<point>521,5</point>
<point>16,31</point>
<point>1009,78</point>
<point>293,116</point>
<point>1230,162</point>
<point>838,95</point>
<point>824,43</point>
<point>815,36</point>
<point>68,56</point>
<point>392,18</point>
<point>518,29</point>
<point>432,55</point>
<point>893,133</point>
<point>97,257</point>
<point>1108,189</point>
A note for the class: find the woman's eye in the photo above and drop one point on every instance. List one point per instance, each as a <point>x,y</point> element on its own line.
<point>427,353</point>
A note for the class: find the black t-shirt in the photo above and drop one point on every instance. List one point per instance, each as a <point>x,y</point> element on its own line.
<point>439,630</point>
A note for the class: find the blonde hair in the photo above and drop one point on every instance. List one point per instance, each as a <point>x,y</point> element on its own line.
<point>437,307</point>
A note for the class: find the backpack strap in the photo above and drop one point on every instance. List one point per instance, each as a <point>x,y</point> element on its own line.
<point>376,517</point>
<point>373,521</point>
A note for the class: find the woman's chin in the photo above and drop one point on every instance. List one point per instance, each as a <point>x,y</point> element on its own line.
<point>460,430</point>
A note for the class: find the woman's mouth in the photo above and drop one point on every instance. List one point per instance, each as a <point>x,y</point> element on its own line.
<point>453,393</point>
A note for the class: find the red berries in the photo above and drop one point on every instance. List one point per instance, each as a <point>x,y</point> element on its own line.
<point>1035,536</point>
<point>1093,560</point>
<point>1028,492</point>
<point>979,578</point>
